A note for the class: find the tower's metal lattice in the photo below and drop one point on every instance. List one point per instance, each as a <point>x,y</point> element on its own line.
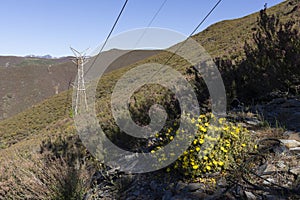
<point>81,99</point>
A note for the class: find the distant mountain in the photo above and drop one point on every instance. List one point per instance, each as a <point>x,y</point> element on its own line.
<point>15,61</point>
<point>45,56</point>
<point>26,81</point>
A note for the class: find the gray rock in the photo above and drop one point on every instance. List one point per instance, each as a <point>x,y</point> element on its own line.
<point>295,149</point>
<point>131,198</point>
<point>153,185</point>
<point>222,183</point>
<point>278,101</point>
<point>181,197</point>
<point>273,197</point>
<point>280,164</point>
<point>192,187</point>
<point>250,195</point>
<point>294,136</point>
<point>268,181</point>
<point>253,122</point>
<point>167,195</point>
<point>269,169</point>
<point>281,149</point>
<point>198,195</point>
<point>290,103</point>
<point>295,170</point>
<point>136,193</point>
<point>179,187</point>
<point>285,112</point>
<point>290,143</point>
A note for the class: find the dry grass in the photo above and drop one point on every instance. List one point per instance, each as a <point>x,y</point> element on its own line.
<point>26,173</point>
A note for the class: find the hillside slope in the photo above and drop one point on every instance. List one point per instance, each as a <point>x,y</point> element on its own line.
<point>55,108</point>
<point>28,81</point>
<point>227,38</point>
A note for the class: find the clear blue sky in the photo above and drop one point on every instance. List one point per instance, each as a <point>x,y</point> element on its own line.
<point>51,26</point>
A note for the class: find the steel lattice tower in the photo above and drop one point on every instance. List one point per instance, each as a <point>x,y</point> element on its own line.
<point>81,99</point>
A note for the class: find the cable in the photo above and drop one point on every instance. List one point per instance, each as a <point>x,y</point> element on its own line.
<point>210,12</point>
<point>181,44</point>
<point>192,33</point>
<point>151,21</point>
<point>108,36</point>
<point>144,32</point>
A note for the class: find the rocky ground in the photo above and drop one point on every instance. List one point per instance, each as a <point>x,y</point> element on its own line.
<point>273,172</point>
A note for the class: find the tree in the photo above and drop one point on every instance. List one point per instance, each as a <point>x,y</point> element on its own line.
<point>275,57</point>
<point>271,63</point>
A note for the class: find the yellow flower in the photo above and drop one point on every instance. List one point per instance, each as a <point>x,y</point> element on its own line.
<point>195,166</point>
<point>206,124</point>
<point>255,146</point>
<point>205,158</point>
<point>202,116</point>
<point>193,120</point>
<point>225,128</point>
<point>201,141</point>
<point>227,144</point>
<point>221,163</point>
<point>171,138</point>
<point>233,134</point>
<point>197,149</point>
<point>195,142</point>
<point>203,129</point>
<point>212,180</point>
<point>215,162</point>
<point>224,150</point>
<point>243,145</point>
<point>221,120</point>
<point>208,167</point>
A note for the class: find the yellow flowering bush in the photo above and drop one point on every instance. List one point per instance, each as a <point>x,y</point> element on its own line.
<point>217,145</point>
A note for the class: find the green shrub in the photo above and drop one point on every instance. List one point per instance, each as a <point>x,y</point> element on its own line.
<point>217,146</point>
